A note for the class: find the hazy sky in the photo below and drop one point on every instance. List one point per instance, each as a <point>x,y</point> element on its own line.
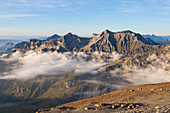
<point>83,17</point>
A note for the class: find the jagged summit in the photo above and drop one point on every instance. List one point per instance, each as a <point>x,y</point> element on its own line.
<point>55,36</point>
<point>69,34</point>
<point>94,34</point>
<point>126,31</point>
<point>107,31</point>
<point>33,40</point>
<point>126,42</point>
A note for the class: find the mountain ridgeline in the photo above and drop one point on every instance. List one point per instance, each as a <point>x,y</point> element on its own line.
<point>126,42</point>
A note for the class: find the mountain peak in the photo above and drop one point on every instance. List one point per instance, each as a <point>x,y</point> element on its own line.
<point>95,34</point>
<point>107,31</point>
<point>55,36</point>
<point>9,43</point>
<point>127,31</point>
<point>33,40</point>
<point>69,34</point>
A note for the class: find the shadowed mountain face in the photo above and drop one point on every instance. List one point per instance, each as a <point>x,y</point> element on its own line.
<point>68,42</point>
<point>53,37</point>
<point>126,42</point>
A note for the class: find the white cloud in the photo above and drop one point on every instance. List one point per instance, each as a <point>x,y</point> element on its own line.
<point>33,64</point>
<point>156,71</point>
<point>17,15</point>
<point>127,11</point>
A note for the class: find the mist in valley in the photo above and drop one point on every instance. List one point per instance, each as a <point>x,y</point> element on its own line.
<point>32,64</point>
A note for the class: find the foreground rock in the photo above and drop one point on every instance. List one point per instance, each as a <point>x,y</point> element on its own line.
<point>135,99</point>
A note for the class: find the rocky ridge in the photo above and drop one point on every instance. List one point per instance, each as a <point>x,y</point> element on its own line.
<point>126,42</point>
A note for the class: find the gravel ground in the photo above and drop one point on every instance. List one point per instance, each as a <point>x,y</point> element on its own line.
<point>154,98</point>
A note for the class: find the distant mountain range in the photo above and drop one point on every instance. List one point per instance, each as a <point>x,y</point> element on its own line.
<point>123,42</point>
<point>163,40</point>
<point>6,48</point>
<point>5,41</point>
<point>6,45</point>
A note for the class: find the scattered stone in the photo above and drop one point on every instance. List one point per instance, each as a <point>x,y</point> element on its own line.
<point>167,111</point>
<point>131,106</point>
<point>132,90</point>
<point>65,108</point>
<point>137,106</point>
<point>39,111</point>
<point>51,108</point>
<point>124,105</point>
<point>140,88</point>
<point>157,107</point>
<point>115,105</point>
<point>86,108</point>
<point>152,89</point>
<point>46,109</point>
<point>99,104</point>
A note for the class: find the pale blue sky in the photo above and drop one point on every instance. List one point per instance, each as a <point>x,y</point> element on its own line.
<point>83,17</point>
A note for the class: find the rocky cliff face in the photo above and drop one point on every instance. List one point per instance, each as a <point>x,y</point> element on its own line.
<point>126,42</point>
<point>68,42</point>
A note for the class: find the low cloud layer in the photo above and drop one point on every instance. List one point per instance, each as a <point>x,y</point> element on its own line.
<point>156,70</point>
<point>32,64</point>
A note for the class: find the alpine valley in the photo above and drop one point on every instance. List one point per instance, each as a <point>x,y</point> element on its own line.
<point>43,74</point>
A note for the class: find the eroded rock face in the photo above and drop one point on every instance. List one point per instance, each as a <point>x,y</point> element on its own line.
<point>126,42</point>
<point>69,42</point>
